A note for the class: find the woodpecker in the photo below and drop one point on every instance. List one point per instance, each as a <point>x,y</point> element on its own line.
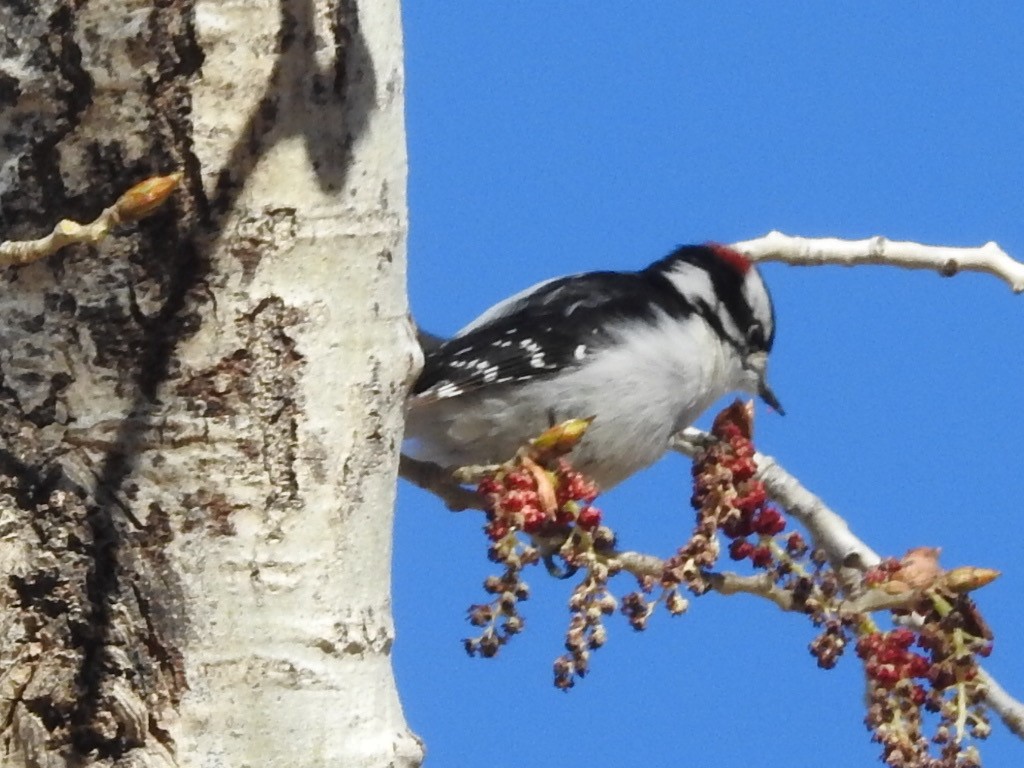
<point>644,353</point>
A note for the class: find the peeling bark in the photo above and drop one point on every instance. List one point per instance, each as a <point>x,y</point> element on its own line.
<point>200,421</point>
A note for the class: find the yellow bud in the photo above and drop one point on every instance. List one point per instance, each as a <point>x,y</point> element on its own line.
<point>561,438</point>
<point>146,196</point>
<point>968,578</point>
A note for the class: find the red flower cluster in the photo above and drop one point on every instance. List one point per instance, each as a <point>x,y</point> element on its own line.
<point>531,499</point>
<point>726,490</point>
<point>540,494</point>
<point>888,659</point>
<point>941,677</point>
<point>882,572</point>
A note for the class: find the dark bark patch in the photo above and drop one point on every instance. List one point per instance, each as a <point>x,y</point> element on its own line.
<point>52,633</point>
<point>10,90</point>
<point>91,617</point>
<point>276,392</point>
<point>211,510</point>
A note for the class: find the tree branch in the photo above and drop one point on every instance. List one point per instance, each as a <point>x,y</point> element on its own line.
<point>828,530</point>
<point>947,261</point>
<point>137,203</point>
<point>440,482</point>
<point>831,533</point>
<point>1010,711</point>
<point>760,585</point>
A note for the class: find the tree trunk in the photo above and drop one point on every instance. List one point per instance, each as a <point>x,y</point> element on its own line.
<point>200,420</point>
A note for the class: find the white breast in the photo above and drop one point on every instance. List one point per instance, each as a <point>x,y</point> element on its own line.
<point>639,392</point>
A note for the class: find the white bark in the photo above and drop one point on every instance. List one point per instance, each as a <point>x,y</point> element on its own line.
<point>945,260</point>
<point>219,397</point>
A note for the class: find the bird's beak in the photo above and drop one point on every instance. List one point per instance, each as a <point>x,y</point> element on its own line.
<point>757,363</point>
<point>769,397</point>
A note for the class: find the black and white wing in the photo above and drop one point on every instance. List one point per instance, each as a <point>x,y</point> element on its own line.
<point>551,327</point>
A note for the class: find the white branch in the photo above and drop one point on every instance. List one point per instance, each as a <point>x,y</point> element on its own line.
<point>1010,711</point>
<point>947,261</point>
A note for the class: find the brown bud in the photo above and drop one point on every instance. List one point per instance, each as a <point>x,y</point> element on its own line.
<point>545,488</point>
<point>488,645</point>
<point>739,414</point>
<point>146,196</point>
<point>920,568</point>
<point>676,604</point>
<point>480,615</point>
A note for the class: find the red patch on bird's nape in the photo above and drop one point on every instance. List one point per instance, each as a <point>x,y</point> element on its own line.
<point>734,259</point>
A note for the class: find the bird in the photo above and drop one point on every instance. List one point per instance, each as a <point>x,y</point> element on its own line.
<point>643,353</point>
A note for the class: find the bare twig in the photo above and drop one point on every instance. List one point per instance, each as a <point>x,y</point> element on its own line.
<point>761,585</point>
<point>947,261</point>
<point>638,564</point>
<point>440,482</point>
<point>137,203</point>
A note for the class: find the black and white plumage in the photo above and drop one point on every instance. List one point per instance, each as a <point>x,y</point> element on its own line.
<point>643,352</point>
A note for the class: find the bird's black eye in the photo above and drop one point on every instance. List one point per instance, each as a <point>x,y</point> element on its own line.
<point>755,336</point>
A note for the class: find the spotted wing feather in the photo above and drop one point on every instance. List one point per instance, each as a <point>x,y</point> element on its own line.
<point>555,326</point>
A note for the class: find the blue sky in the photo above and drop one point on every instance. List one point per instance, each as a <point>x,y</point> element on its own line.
<point>547,138</point>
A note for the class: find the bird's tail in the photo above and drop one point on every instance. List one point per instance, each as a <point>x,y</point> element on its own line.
<point>428,341</point>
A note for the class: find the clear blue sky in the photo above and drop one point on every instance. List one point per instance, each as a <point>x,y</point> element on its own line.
<point>553,137</point>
